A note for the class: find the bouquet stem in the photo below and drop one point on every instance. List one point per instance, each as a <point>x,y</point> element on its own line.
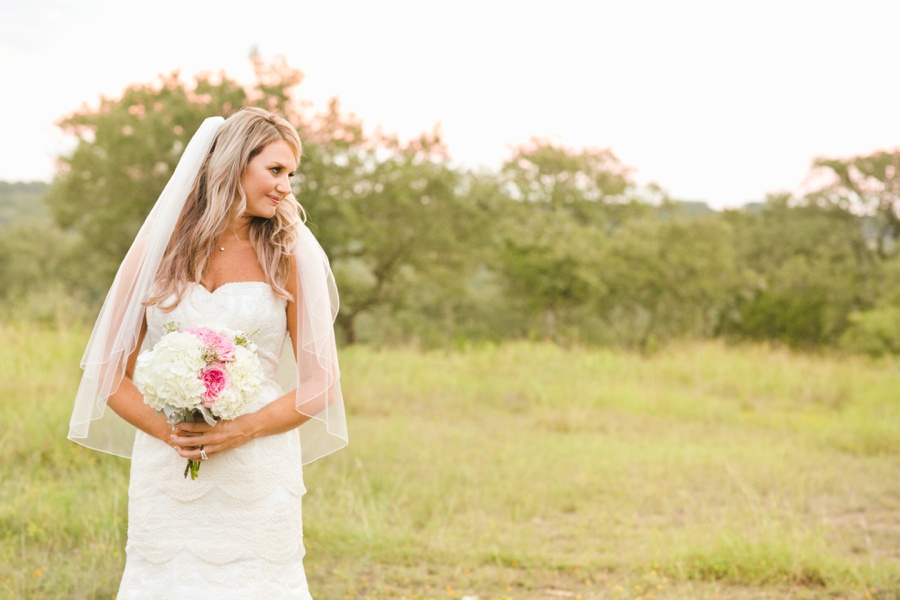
<point>194,467</point>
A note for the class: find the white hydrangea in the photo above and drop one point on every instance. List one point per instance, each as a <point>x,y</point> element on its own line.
<point>168,374</point>
<point>246,382</point>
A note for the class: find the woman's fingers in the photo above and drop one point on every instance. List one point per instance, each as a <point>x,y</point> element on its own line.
<point>196,453</point>
<point>189,428</point>
<point>189,440</point>
<point>195,440</point>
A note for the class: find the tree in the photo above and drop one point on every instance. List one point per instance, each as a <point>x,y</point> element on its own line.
<point>867,185</point>
<point>806,268</point>
<point>546,172</point>
<point>562,204</point>
<point>667,278</point>
<point>388,213</point>
<point>549,262</point>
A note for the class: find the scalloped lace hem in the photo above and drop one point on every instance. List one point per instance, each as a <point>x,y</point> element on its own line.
<point>185,576</point>
<point>214,554</point>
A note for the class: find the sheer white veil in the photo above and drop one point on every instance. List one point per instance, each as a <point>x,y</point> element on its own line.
<point>314,373</point>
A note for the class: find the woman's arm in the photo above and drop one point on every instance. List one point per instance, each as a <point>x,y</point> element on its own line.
<point>128,403</point>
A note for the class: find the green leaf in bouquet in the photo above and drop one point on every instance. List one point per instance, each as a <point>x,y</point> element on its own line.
<point>208,416</point>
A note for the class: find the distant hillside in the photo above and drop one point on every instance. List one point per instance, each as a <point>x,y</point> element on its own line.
<point>22,201</point>
<point>685,208</point>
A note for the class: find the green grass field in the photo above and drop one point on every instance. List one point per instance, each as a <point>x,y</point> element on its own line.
<point>520,471</point>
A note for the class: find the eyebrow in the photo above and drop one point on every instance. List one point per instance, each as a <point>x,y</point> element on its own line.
<point>276,163</point>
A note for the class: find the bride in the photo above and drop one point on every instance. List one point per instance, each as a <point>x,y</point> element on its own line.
<point>225,245</point>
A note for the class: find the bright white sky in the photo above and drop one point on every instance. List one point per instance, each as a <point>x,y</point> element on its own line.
<point>716,100</point>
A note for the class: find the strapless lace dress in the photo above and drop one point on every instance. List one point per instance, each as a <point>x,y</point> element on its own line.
<point>236,531</point>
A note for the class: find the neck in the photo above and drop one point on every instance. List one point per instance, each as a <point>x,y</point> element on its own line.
<point>240,228</point>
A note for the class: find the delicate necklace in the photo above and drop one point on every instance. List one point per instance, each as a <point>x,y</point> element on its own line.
<point>222,248</point>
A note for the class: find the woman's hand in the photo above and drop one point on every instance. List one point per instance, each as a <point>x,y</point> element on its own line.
<point>189,438</point>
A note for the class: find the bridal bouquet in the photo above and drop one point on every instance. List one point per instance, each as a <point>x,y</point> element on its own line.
<point>207,372</point>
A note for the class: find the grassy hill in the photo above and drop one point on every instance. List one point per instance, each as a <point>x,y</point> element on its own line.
<point>22,201</point>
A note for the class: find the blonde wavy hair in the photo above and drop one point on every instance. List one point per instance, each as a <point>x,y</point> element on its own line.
<point>217,193</point>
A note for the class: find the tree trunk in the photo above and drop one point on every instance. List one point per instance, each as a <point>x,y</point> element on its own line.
<point>347,323</point>
<point>550,332</point>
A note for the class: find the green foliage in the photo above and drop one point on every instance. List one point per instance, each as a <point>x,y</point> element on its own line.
<point>805,270</point>
<point>389,214</point>
<point>875,330</point>
<point>563,204</point>
<point>667,279</point>
<point>550,261</point>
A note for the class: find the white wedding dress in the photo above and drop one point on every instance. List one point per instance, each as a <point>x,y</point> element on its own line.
<point>236,531</point>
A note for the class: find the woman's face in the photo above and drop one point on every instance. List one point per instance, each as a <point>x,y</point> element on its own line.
<point>267,179</point>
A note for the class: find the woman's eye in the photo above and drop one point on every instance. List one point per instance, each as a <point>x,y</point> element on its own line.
<point>276,170</point>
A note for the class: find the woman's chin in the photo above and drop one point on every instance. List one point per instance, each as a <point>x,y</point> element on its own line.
<point>264,214</point>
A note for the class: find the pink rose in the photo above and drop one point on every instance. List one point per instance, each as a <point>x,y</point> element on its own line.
<point>224,348</point>
<point>222,345</point>
<point>216,379</point>
<point>204,334</point>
